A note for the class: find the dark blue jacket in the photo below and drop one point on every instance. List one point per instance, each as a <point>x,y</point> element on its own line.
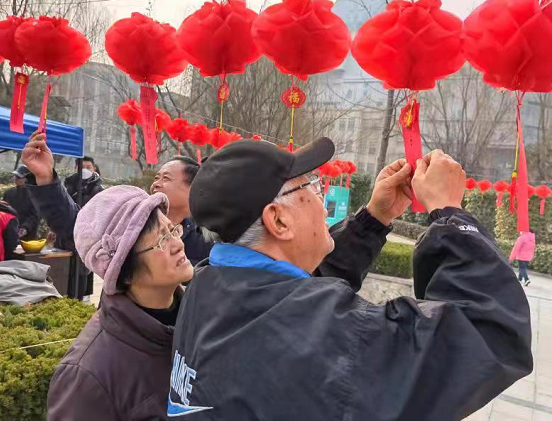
<point>258,344</point>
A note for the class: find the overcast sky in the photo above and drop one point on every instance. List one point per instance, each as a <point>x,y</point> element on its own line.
<point>174,11</point>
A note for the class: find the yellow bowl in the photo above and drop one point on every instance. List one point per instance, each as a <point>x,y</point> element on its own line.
<point>34,246</point>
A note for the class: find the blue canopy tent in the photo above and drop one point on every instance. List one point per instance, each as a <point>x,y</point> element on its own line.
<point>63,139</point>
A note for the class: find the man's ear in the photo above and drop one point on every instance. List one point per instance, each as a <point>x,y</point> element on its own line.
<point>278,222</point>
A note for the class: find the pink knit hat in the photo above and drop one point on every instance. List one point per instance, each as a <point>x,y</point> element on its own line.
<point>109,225</point>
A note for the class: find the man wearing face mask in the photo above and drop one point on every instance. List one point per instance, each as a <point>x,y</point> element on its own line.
<point>91,181</point>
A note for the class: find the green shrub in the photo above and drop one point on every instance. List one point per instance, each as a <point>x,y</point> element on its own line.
<point>395,260</point>
<point>408,229</point>
<point>25,373</point>
<point>506,223</point>
<point>361,190</point>
<point>483,207</point>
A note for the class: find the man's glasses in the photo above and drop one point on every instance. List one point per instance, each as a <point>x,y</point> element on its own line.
<point>315,183</point>
<point>165,240</point>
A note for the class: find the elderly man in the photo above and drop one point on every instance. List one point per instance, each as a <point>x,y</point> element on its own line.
<point>271,328</point>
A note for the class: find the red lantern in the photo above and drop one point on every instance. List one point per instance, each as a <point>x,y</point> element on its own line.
<point>543,192</point>
<point>148,51</point>
<point>179,130</point>
<point>351,170</point>
<point>500,187</point>
<point>162,120</point>
<point>50,45</point>
<point>221,138</point>
<point>471,184</point>
<point>329,170</point>
<point>8,47</point>
<point>217,38</point>
<point>131,113</point>
<point>508,41</point>
<point>411,45</point>
<point>200,135</point>
<point>256,137</point>
<point>302,37</point>
<point>484,186</point>
<point>530,191</point>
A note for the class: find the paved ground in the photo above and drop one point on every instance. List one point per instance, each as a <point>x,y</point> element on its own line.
<point>530,399</point>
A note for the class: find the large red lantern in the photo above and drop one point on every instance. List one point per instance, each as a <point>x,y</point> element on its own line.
<point>9,51</point>
<point>543,192</point>
<point>500,187</point>
<point>217,38</point>
<point>302,38</point>
<point>508,41</point>
<point>149,53</point>
<point>410,46</point>
<point>131,113</point>
<point>50,45</point>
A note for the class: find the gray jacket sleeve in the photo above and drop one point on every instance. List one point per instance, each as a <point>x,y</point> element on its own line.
<point>56,206</point>
<point>465,341</point>
<point>76,395</point>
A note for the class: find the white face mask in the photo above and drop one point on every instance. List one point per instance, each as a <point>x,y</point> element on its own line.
<point>86,174</point>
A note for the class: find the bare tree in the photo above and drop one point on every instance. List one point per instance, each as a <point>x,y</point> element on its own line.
<point>466,118</point>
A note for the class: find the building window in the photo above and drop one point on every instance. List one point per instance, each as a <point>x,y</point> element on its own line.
<point>372,149</point>
<point>350,94</point>
<point>352,124</point>
<point>342,124</point>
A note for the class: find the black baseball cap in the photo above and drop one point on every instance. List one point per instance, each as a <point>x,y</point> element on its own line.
<point>235,184</point>
<point>21,172</point>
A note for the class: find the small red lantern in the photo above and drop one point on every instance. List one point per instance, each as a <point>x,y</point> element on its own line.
<point>256,137</point>
<point>149,53</point>
<point>484,186</point>
<point>131,113</point>
<point>500,187</point>
<point>329,170</point>
<point>351,170</point>
<point>221,137</point>
<point>179,130</point>
<point>543,192</point>
<point>200,135</point>
<point>471,184</point>
<point>293,98</point>
<point>530,191</point>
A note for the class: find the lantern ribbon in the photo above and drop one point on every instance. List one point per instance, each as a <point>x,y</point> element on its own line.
<point>148,97</point>
<point>44,109</point>
<point>499,199</point>
<point>520,180</point>
<point>133,149</point>
<point>199,156</point>
<point>410,124</point>
<point>21,85</point>
<point>326,185</point>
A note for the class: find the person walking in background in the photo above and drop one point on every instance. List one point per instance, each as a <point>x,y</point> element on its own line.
<point>524,252</point>
<point>19,199</point>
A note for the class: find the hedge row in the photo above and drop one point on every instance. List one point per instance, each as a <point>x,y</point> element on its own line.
<point>25,373</point>
<point>408,229</point>
<point>395,260</point>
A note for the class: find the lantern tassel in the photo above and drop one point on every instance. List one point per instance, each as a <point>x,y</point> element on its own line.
<point>199,156</point>
<point>148,97</point>
<point>410,124</point>
<point>348,183</point>
<point>522,185</point>
<point>178,148</point>
<point>133,148</point>
<point>290,146</point>
<point>44,109</point>
<point>327,185</point>
<point>499,199</point>
<point>21,85</point>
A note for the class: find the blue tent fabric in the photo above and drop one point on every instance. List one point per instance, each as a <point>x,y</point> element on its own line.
<point>63,139</point>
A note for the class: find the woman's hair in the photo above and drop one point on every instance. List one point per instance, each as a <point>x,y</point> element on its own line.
<point>132,262</point>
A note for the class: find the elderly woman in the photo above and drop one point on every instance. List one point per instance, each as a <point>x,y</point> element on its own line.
<point>119,366</point>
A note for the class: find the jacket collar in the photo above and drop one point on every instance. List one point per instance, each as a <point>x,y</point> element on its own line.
<point>237,256</point>
<point>123,319</point>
